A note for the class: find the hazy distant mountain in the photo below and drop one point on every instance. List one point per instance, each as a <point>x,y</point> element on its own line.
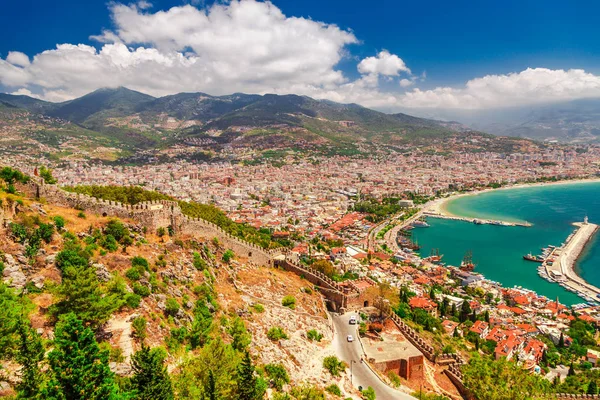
<point>573,121</point>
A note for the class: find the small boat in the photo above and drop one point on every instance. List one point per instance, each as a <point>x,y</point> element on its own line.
<point>530,257</point>
<point>420,224</point>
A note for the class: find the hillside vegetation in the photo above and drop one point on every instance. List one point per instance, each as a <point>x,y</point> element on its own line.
<point>96,308</point>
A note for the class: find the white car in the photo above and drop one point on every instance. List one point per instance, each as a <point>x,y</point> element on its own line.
<point>353,320</point>
<point>350,338</point>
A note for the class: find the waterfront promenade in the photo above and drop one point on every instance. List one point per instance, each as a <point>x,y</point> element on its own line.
<point>566,257</point>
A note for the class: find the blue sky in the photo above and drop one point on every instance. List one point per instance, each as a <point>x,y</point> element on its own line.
<point>451,41</point>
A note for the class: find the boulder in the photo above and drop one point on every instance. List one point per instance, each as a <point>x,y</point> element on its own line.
<point>14,276</point>
<point>102,272</point>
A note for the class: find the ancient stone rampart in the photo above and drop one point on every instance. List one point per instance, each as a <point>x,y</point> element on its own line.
<point>328,287</point>
<point>152,215</point>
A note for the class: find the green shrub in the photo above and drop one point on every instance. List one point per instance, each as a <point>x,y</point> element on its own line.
<point>199,263</point>
<point>133,300</point>
<point>334,389</point>
<point>171,306</point>
<point>394,378</point>
<point>59,222</point>
<point>276,333</point>
<point>141,290</point>
<point>133,274</point>
<point>278,375</point>
<point>333,365</point>
<point>368,393</point>
<point>259,308</point>
<point>140,262</point>
<point>314,335</point>
<point>289,302</point>
<point>110,243</point>
<point>81,215</point>
<point>228,256</point>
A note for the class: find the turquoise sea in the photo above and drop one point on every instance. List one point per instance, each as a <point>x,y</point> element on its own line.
<point>498,250</point>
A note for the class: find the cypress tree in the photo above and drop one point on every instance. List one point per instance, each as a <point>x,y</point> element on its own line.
<point>592,388</point>
<point>151,380</point>
<point>79,368</point>
<point>561,341</point>
<point>571,370</point>
<point>246,381</point>
<point>465,310</point>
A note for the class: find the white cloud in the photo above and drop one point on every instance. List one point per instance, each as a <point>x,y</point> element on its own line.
<point>239,46</point>
<point>144,5</point>
<point>384,64</point>
<point>406,82</point>
<point>250,46</point>
<point>531,86</point>
<point>18,58</point>
<point>25,92</point>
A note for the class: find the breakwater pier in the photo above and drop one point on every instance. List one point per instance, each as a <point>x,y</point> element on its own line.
<point>559,265</point>
<point>477,221</point>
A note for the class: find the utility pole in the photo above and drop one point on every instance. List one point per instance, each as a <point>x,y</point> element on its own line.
<point>351,375</point>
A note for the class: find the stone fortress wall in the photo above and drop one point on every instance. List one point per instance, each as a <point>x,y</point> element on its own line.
<point>152,215</point>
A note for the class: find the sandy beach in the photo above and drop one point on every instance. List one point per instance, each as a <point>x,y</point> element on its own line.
<point>438,206</point>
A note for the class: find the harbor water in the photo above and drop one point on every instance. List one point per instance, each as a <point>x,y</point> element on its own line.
<point>498,250</point>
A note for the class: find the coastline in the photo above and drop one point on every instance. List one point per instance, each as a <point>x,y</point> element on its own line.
<point>568,254</point>
<point>439,206</point>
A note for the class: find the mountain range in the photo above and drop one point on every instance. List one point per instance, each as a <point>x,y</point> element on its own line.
<point>131,121</point>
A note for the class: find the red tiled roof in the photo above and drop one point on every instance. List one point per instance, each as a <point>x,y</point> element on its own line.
<point>422,302</point>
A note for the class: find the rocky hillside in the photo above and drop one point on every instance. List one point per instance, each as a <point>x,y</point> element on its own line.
<point>198,305</point>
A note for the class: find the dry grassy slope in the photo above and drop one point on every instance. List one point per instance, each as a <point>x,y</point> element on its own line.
<point>238,287</point>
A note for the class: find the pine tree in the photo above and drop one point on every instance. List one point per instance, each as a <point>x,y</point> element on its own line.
<point>592,388</point>
<point>210,390</point>
<point>246,381</point>
<point>151,380</point>
<point>477,343</point>
<point>30,353</point>
<point>81,294</point>
<point>79,368</point>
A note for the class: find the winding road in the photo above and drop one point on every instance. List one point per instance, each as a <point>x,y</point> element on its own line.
<point>351,353</point>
